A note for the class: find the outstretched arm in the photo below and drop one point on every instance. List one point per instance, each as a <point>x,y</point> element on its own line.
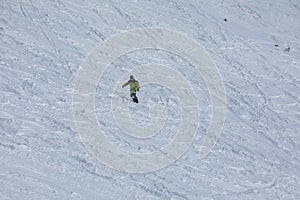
<point>127,83</point>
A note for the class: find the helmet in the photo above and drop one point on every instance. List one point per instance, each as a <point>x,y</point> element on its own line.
<point>131,77</point>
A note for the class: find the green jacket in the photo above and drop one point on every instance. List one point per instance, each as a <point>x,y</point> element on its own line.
<point>134,85</point>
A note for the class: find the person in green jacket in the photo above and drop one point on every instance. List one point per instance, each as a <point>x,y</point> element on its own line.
<point>134,87</point>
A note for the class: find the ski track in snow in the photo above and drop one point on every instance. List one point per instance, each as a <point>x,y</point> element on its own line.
<point>42,46</point>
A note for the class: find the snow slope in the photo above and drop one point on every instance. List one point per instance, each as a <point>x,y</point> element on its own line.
<point>42,46</point>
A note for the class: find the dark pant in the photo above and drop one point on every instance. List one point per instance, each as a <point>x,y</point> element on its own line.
<point>134,98</point>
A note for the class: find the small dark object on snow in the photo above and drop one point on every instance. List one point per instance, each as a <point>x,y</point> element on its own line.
<point>225,20</point>
<point>287,49</point>
<point>276,45</point>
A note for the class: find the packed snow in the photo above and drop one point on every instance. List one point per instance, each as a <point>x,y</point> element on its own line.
<point>255,46</point>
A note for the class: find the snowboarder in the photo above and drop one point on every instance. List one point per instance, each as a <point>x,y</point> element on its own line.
<point>134,87</point>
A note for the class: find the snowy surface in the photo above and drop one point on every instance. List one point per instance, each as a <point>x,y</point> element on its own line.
<point>257,51</point>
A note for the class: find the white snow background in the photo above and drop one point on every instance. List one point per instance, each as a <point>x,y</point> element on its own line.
<point>256,50</point>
